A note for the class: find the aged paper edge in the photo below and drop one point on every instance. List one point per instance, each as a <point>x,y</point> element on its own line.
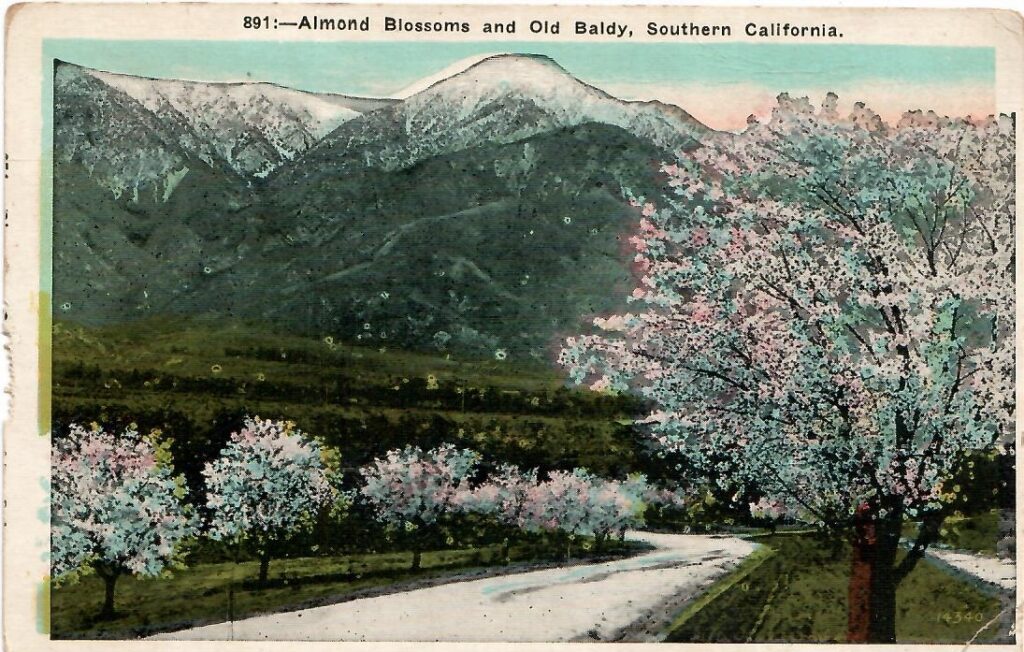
<point>26,449</point>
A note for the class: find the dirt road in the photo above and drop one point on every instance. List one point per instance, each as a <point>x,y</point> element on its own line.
<point>557,604</point>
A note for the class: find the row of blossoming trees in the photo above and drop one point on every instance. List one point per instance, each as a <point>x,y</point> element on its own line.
<point>118,508</point>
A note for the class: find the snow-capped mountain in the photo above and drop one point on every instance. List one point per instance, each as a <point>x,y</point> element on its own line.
<point>501,99</point>
<point>148,133</point>
<point>122,146</point>
<point>477,211</point>
<point>254,127</point>
<point>564,100</point>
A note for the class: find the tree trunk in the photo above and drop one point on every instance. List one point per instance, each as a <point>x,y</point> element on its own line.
<point>109,576</point>
<point>568,548</point>
<point>859,591</point>
<point>872,590</point>
<point>506,550</point>
<point>599,543</point>
<point>264,566</point>
<point>416,558</point>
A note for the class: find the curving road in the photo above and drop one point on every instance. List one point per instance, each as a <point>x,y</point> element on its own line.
<point>993,570</point>
<point>589,602</point>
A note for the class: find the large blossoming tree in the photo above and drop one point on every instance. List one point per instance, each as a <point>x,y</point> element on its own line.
<point>411,489</point>
<point>825,316</point>
<point>269,482</point>
<point>116,507</point>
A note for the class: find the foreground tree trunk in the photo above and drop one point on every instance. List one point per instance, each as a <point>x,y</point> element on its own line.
<point>416,558</point>
<point>859,593</point>
<point>109,576</point>
<point>873,581</point>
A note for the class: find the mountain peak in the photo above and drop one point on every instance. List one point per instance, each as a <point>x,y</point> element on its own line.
<point>520,59</point>
<point>250,127</point>
<point>530,75</point>
<point>524,70</point>
<point>498,98</point>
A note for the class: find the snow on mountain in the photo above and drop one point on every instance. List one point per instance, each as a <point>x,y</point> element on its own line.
<point>500,99</point>
<point>566,100</point>
<point>255,127</point>
<point>120,145</point>
<point>426,82</point>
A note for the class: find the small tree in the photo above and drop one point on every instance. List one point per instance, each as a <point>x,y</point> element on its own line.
<point>116,507</point>
<point>826,319</point>
<point>664,506</point>
<point>619,506</point>
<point>562,504</point>
<point>410,489</point>
<point>270,482</point>
<point>503,496</point>
<point>771,510</point>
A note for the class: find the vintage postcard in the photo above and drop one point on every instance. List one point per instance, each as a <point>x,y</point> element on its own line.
<point>372,325</point>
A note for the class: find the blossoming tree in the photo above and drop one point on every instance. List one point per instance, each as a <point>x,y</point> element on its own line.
<point>620,505</point>
<point>825,314</point>
<point>411,489</point>
<point>563,503</point>
<point>268,483</point>
<point>116,507</point>
<point>502,496</point>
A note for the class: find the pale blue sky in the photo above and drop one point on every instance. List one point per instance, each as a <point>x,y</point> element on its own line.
<point>703,78</point>
<point>380,67</point>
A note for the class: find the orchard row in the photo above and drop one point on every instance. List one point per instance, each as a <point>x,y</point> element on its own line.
<point>118,508</point>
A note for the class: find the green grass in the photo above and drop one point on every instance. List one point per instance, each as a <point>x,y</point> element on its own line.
<point>192,347</point>
<point>210,593</point>
<point>977,533</point>
<point>193,379</point>
<point>799,594</point>
<point>740,573</point>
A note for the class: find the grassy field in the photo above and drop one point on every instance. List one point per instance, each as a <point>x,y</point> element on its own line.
<point>210,593</point>
<point>797,592</point>
<point>195,380</point>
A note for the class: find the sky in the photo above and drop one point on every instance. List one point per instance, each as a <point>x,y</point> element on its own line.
<point>719,83</point>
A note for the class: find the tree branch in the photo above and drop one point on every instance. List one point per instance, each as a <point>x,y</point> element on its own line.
<point>927,534</point>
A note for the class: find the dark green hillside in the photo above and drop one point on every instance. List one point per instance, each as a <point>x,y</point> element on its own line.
<point>494,247</point>
<point>116,259</point>
<point>497,246</point>
<point>197,381</point>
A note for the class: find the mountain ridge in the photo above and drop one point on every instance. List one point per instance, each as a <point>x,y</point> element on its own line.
<point>254,127</point>
<point>484,213</point>
<point>501,98</point>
